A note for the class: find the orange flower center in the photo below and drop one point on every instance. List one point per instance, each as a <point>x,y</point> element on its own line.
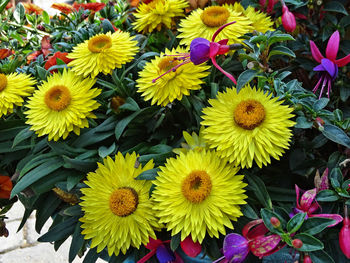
<point>123,201</point>
<point>58,98</point>
<point>215,16</point>
<point>167,63</point>
<point>249,114</point>
<point>100,43</point>
<point>196,187</point>
<point>3,81</point>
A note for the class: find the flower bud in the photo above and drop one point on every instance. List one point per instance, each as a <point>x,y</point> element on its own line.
<point>275,222</point>
<point>288,20</point>
<point>307,259</point>
<point>116,102</point>
<point>40,27</point>
<point>344,237</point>
<point>297,243</point>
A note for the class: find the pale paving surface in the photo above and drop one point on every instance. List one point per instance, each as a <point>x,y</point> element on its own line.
<point>23,246</point>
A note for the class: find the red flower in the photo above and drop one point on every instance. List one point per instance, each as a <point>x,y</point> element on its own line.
<point>93,7</point>
<point>5,187</point>
<point>63,8</point>
<point>52,61</point>
<point>4,53</point>
<point>31,8</point>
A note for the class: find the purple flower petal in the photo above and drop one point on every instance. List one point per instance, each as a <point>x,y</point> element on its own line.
<point>164,254</point>
<point>235,248</point>
<point>319,68</point>
<point>333,46</point>
<point>329,66</point>
<point>199,50</point>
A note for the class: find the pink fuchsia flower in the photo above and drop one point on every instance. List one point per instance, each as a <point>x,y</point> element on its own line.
<point>254,239</point>
<point>288,19</point>
<point>328,67</point>
<point>307,204</point>
<point>201,50</point>
<point>344,237</point>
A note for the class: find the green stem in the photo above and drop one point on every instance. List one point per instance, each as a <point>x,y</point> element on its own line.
<point>29,28</point>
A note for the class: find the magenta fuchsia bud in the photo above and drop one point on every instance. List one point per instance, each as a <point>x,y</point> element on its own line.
<point>307,259</point>
<point>191,249</point>
<point>288,19</point>
<point>297,243</point>
<point>344,237</point>
<point>275,222</point>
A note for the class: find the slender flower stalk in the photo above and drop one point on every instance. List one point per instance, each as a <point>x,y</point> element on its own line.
<point>328,67</point>
<point>201,50</point>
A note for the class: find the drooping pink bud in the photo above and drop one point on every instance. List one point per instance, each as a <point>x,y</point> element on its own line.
<point>288,19</point>
<point>297,243</point>
<point>344,237</point>
<point>307,259</point>
<point>191,249</point>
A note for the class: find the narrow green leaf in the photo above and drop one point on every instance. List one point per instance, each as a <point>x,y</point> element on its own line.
<point>148,175</point>
<point>36,174</point>
<point>3,5</point>
<point>320,256</point>
<point>280,38</point>
<point>295,222</point>
<point>103,151</point>
<point>46,210</point>
<point>175,241</point>
<point>259,190</point>
<point>21,136</point>
<point>107,26</point>
<point>77,242</point>
<point>245,78</point>
<point>336,135</point>
<point>60,231</point>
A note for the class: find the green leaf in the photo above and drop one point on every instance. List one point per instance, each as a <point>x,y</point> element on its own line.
<point>281,50</point>
<point>77,242</point>
<point>103,151</point>
<point>320,256</point>
<point>245,78</point>
<point>107,26</point>
<point>175,241</point>
<point>249,212</point>
<point>21,136</point>
<point>295,222</point>
<point>122,124</point>
<point>336,135</point>
<point>258,39</point>
<point>148,175</point>
<point>80,165</point>
<point>36,174</point>
<point>335,6</point>
<point>46,18</point>
<point>279,38</point>
<point>42,73</point>
<point>3,5</point>
<point>130,104</point>
<point>266,215</point>
<point>315,225</point>
<point>259,189</point>
<point>303,123</point>
<point>91,256</point>
<point>60,231</point>
<point>46,210</point>
<point>320,104</point>
<point>310,243</point>
<point>19,12</point>
<point>327,196</point>
<point>336,177</point>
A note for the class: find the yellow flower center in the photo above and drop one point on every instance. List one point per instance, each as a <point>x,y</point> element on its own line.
<point>123,201</point>
<point>99,43</point>
<point>196,186</point>
<point>215,16</point>
<point>3,81</point>
<point>58,98</point>
<point>167,63</point>
<point>249,114</point>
